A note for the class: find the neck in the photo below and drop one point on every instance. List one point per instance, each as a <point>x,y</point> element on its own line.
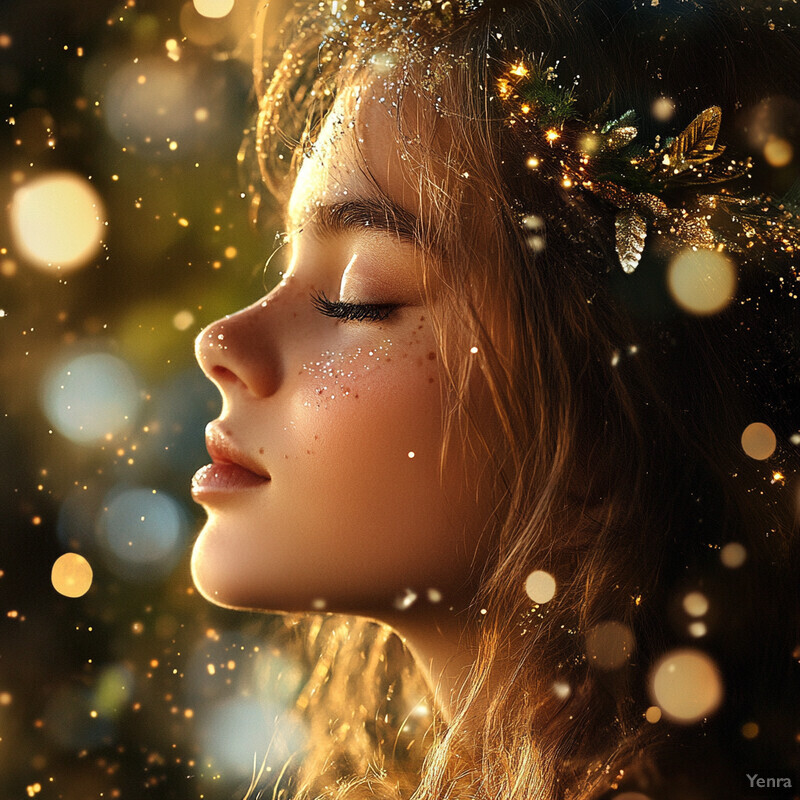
<point>437,639</point>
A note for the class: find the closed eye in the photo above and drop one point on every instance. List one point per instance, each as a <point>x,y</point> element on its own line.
<point>359,312</point>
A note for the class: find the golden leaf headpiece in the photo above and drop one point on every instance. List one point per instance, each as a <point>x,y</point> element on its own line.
<point>664,189</point>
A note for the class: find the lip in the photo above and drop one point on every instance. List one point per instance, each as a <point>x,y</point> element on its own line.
<point>231,471</point>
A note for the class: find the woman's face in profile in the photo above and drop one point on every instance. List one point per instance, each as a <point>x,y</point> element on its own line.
<point>325,483</point>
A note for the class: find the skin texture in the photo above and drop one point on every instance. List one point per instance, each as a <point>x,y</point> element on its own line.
<point>331,409</point>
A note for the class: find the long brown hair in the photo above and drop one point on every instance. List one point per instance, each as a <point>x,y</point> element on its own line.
<point>615,444</point>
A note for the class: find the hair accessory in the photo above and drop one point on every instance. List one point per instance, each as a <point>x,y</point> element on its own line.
<point>652,189</point>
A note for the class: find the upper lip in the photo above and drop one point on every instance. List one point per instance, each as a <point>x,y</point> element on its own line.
<point>223,451</point>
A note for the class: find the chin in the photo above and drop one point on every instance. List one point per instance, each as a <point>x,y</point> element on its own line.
<point>229,581</point>
<point>213,577</point>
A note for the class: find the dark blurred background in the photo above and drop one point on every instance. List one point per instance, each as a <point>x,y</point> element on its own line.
<point>125,230</point>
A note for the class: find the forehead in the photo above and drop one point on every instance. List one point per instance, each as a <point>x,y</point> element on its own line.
<point>361,150</point>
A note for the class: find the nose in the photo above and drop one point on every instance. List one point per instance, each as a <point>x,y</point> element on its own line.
<point>242,350</point>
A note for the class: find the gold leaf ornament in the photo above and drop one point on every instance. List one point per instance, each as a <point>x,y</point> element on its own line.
<point>631,232</point>
<point>698,143</point>
<point>621,131</point>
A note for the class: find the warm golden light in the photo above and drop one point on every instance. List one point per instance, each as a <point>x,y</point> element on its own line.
<point>57,221</point>
<point>520,70</point>
<point>733,555</point>
<point>758,441</point>
<point>533,162</point>
<point>653,714</point>
<point>71,575</point>
<point>213,9</point>
<point>702,282</point>
<point>183,320</point>
<point>750,730</point>
<point>697,629</point>
<point>552,135</point>
<point>540,586</point>
<point>778,152</point>
<point>589,144</point>
<point>695,604</point>
<point>663,109</point>
<point>686,685</point>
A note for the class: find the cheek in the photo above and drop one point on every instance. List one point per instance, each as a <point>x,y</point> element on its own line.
<point>375,407</point>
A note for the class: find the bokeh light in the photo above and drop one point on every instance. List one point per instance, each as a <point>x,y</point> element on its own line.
<point>733,555</point>
<point>695,604</point>
<point>113,690</point>
<point>58,221</point>
<point>778,152</point>
<point>750,730</point>
<point>90,398</point>
<point>609,645</point>
<point>697,629</point>
<point>143,532</point>
<point>237,729</point>
<point>759,441</point>
<point>540,586</point>
<point>686,685</point>
<point>150,104</point>
<point>663,109</point>
<point>701,282</point>
<point>214,9</point>
<point>71,575</point>
<point>653,714</point>
<point>201,30</point>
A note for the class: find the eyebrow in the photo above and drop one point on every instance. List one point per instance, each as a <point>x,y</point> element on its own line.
<point>357,216</point>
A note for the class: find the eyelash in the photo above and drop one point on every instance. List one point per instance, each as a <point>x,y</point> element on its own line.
<point>358,312</point>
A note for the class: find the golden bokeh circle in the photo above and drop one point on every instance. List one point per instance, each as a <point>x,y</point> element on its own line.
<point>71,575</point>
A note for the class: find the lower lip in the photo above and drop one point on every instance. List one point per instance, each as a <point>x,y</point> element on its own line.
<point>224,479</point>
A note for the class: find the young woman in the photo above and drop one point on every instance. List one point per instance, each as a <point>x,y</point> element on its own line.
<point>491,405</point>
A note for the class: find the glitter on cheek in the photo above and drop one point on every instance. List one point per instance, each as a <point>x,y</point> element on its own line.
<point>338,374</point>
